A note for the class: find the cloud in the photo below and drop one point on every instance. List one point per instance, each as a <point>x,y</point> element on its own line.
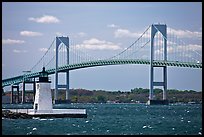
<point>43,49</point>
<point>159,41</point>
<point>59,34</point>
<point>30,33</point>
<point>112,26</point>
<point>161,50</point>
<point>19,51</point>
<point>12,41</point>
<point>81,34</point>
<point>45,19</point>
<point>95,44</point>
<point>46,49</point>
<point>119,33</point>
<point>63,50</point>
<point>60,50</point>
<point>125,33</point>
<point>190,47</point>
<point>181,48</point>
<point>184,33</point>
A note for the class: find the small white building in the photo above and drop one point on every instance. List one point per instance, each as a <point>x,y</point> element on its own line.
<point>43,96</point>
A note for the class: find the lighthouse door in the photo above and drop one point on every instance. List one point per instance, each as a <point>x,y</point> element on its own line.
<point>36,107</point>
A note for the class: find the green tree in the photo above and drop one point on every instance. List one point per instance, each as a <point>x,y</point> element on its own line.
<point>101,99</point>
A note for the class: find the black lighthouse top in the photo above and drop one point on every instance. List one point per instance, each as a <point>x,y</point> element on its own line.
<point>43,76</point>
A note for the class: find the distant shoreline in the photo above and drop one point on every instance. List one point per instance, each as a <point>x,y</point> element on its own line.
<point>134,96</point>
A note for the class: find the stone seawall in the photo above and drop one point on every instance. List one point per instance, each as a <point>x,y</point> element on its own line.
<point>15,115</point>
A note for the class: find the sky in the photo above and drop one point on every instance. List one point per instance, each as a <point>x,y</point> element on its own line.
<point>28,29</point>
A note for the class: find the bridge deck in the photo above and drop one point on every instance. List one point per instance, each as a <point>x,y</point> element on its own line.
<point>19,79</point>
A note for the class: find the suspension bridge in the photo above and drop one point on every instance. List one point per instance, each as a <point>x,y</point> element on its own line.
<point>157,46</point>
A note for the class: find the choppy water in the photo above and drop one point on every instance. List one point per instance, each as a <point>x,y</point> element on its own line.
<point>111,119</point>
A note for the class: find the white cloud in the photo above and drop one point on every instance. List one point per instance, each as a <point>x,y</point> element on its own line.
<point>126,33</point>
<point>112,26</point>
<point>161,50</point>
<point>184,33</point>
<point>12,41</point>
<point>54,50</point>
<point>81,34</point>
<point>95,44</point>
<point>159,41</point>
<point>60,50</point>
<point>195,47</point>
<point>126,48</point>
<point>180,33</point>
<point>43,49</point>
<point>30,33</point>
<point>60,34</point>
<point>45,19</point>
<point>63,50</point>
<point>19,51</point>
<point>181,48</point>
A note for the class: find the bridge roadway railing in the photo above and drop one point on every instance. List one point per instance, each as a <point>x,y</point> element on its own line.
<point>19,79</point>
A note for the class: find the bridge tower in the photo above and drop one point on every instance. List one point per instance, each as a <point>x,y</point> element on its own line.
<point>162,28</point>
<point>65,41</point>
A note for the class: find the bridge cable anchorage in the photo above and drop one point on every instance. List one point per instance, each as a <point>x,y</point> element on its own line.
<point>131,44</point>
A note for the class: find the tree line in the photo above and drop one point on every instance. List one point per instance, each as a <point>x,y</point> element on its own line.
<point>136,95</point>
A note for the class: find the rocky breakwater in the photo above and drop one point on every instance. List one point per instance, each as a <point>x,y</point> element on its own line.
<point>15,115</point>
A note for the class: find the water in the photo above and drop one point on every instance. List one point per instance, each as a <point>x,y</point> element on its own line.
<point>112,119</point>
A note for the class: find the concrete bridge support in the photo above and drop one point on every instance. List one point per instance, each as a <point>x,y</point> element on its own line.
<point>13,100</point>
<point>24,90</point>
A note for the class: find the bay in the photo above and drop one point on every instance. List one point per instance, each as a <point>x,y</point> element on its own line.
<point>112,119</point>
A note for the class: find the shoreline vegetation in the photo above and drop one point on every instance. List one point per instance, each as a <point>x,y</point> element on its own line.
<point>136,95</point>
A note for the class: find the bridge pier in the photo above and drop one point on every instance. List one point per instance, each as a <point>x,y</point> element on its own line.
<point>152,101</point>
<point>12,94</point>
<point>24,90</point>
<point>65,86</point>
<point>23,93</point>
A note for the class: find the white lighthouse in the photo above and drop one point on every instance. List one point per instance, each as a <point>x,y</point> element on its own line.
<point>43,96</point>
<point>43,106</point>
